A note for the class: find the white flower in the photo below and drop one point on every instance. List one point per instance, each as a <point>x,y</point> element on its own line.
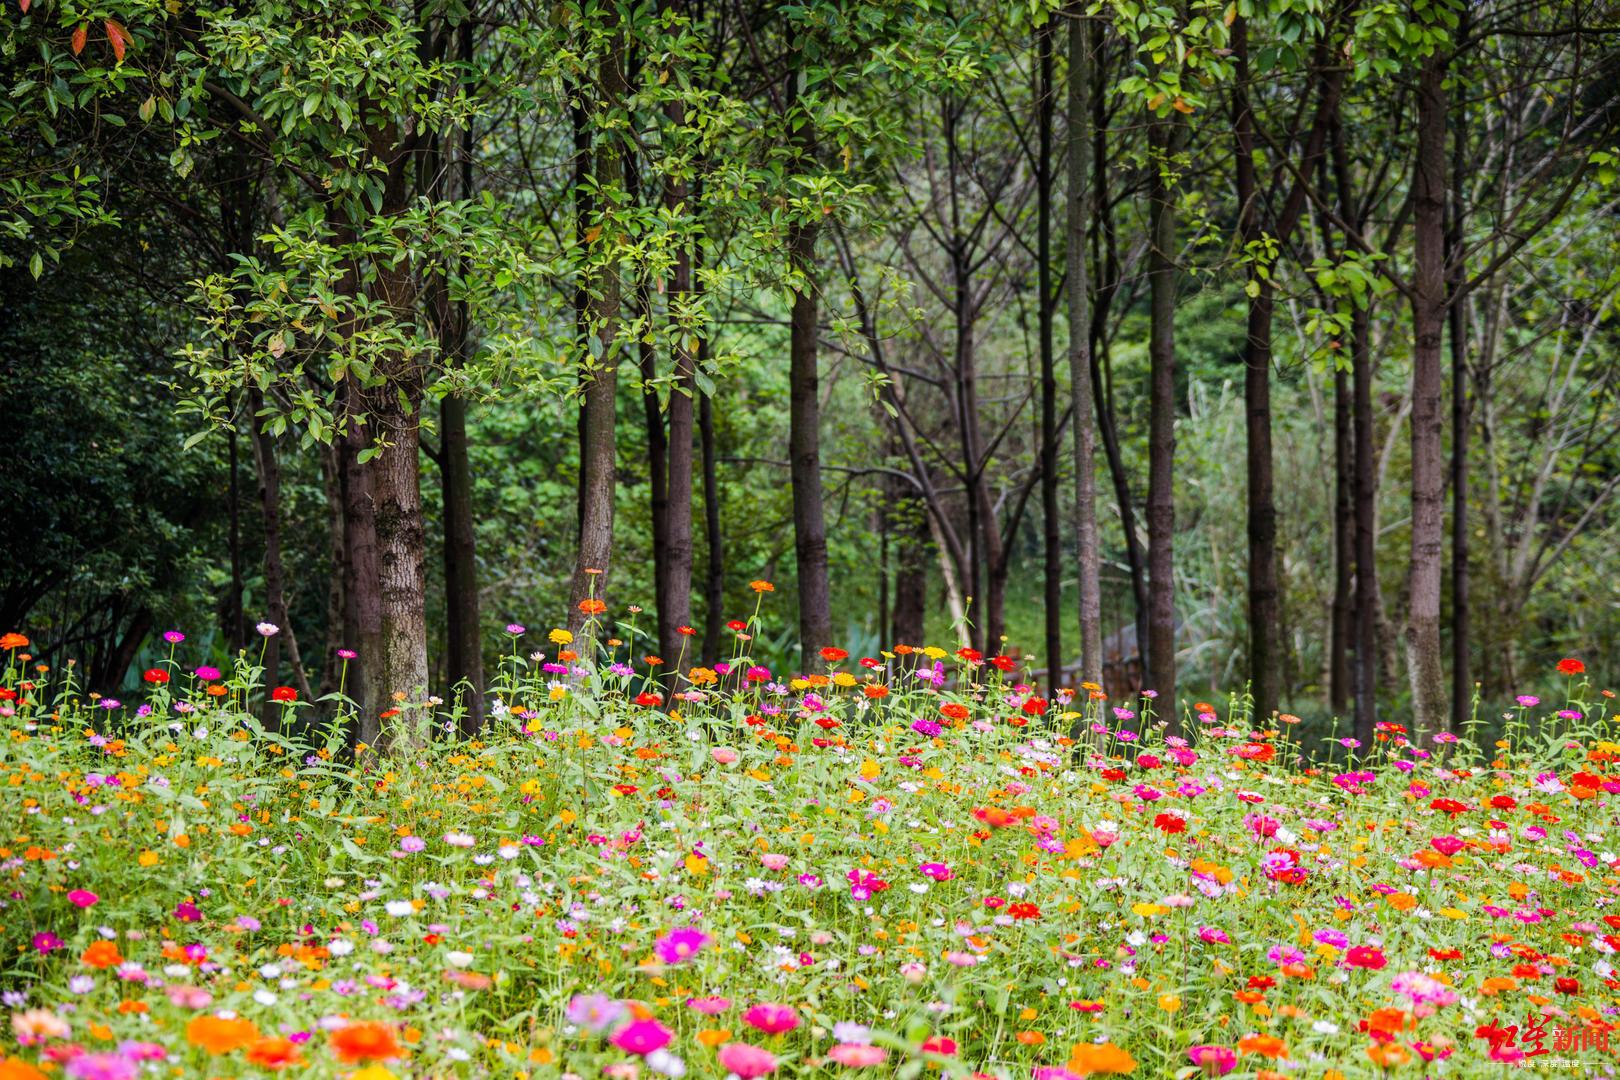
<point>666,1063</point>
<point>341,947</point>
<point>459,959</point>
<point>264,997</point>
<point>268,629</point>
<point>400,908</point>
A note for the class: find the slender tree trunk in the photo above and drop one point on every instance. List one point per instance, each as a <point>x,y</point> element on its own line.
<point>463,622</point>
<point>804,408</point>
<point>362,597</point>
<point>909,519</point>
<point>1264,616</point>
<point>804,440</point>
<point>601,377</point>
<point>338,555</point>
<point>1428,473</point>
<point>678,523</point>
<point>1082,47</point>
<point>1051,523</point>
<point>1342,624</point>
<point>714,596</point>
<point>1462,682</point>
<point>1104,237</point>
<point>1363,475</point>
<point>658,492</point>
<point>268,468</point>
<point>1162,424</point>
<point>235,617</point>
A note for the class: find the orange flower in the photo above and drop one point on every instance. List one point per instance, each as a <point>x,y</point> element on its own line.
<point>1265,1045</point>
<point>366,1041</point>
<point>13,641</point>
<point>591,606</point>
<point>1091,1058</point>
<point>101,954</point>
<point>218,1035</point>
<point>1388,1055</point>
<point>761,586</point>
<point>14,1068</point>
<point>274,1054</point>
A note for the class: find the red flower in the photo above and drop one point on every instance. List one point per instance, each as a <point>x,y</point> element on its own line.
<point>1566,985</point>
<point>1024,911</point>
<point>284,694</point>
<point>955,711</point>
<point>1448,806</point>
<point>686,631</point>
<point>1504,802</point>
<point>649,700</point>
<point>1170,824</point>
<point>736,626</point>
<point>1034,706</point>
<point>1005,663</point>
<point>1570,666</point>
<point>156,676</point>
<point>832,654</point>
<point>1365,956</point>
<point>972,656</point>
<point>941,1045</point>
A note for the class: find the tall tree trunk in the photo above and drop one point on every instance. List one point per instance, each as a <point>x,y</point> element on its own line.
<point>804,410</point>
<point>1105,240</point>
<point>338,556</point>
<point>657,491</point>
<point>598,460</point>
<point>1363,475</point>
<point>804,444</point>
<point>362,596</point>
<point>1083,43</point>
<point>908,515</point>
<point>1462,683</point>
<point>1264,617</point>
<point>463,622</point>
<point>1051,524</point>
<point>268,468</point>
<point>678,523</point>
<point>1161,513</point>
<point>714,597</point>
<point>1428,473</point>
<point>1342,624</point>
<point>235,618</point>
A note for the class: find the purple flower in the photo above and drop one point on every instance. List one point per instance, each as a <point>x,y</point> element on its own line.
<point>594,1012</point>
<point>173,637</point>
<point>926,727</point>
<point>186,911</point>
<point>46,942</point>
<point>207,674</point>
<point>515,629</point>
<point>347,654</point>
<point>412,844</point>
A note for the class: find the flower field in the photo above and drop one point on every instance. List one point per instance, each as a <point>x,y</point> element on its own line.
<point>897,865</point>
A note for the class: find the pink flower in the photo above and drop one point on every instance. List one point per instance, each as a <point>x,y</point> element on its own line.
<point>771,1019</point>
<point>1214,1060</point>
<point>936,870</point>
<point>642,1037</point>
<point>709,1006</point>
<point>681,944</point>
<point>747,1062</point>
<point>857,1056</point>
<point>723,756</point>
<point>82,898</point>
<point>1447,845</point>
<point>774,860</point>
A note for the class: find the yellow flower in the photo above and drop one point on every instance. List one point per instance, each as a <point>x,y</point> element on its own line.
<point>561,637</point>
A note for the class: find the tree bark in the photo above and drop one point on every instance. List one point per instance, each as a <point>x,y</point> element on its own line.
<point>1162,423</point>
<point>1083,43</point>
<point>1341,627</point>
<point>1462,683</point>
<point>598,460</point>
<point>463,621</point>
<point>362,597</point>
<point>677,599</point>
<point>714,614</point>
<point>804,415</point>
<point>1051,523</point>
<point>268,468</point>
<point>657,492</point>
<point>1430,715</point>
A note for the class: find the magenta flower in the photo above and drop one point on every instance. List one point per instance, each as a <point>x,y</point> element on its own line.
<point>642,1037</point>
<point>936,870</point>
<point>771,1019</point>
<point>681,944</point>
<point>1214,1060</point>
<point>82,898</point>
<point>46,942</point>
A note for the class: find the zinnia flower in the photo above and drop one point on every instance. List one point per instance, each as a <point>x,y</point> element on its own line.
<point>745,1061</point>
<point>365,1041</point>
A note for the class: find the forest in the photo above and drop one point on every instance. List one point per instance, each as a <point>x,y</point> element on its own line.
<point>1264,346</point>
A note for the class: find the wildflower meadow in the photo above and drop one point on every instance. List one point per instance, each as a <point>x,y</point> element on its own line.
<point>905,864</point>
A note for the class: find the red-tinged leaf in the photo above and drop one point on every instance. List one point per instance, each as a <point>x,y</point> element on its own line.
<point>79,36</point>
<point>118,38</point>
<point>24,4</point>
